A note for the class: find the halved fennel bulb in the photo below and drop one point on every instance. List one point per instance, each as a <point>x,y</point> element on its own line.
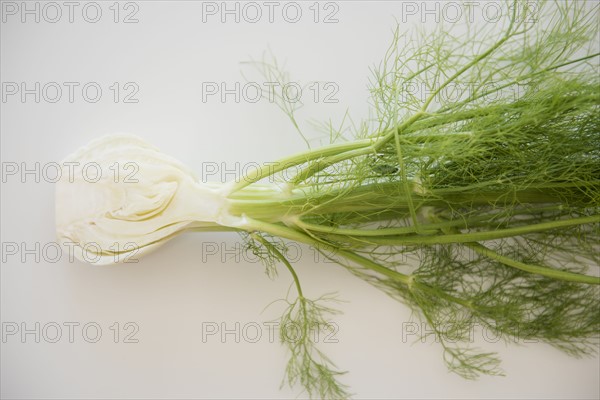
<point>119,196</point>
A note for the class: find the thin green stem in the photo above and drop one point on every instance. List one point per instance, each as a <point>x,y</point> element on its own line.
<point>292,234</point>
<point>509,33</point>
<point>395,276</point>
<point>281,258</point>
<point>406,183</point>
<point>534,269</point>
<point>432,228</point>
<point>269,169</point>
<point>445,238</point>
<point>517,80</point>
<point>320,165</point>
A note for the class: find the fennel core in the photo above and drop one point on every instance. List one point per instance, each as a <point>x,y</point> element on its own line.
<point>495,195</point>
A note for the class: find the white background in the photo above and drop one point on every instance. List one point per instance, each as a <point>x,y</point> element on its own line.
<point>171,294</point>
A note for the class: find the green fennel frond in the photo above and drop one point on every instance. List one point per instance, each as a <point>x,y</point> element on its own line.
<point>472,195</point>
<point>300,327</point>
